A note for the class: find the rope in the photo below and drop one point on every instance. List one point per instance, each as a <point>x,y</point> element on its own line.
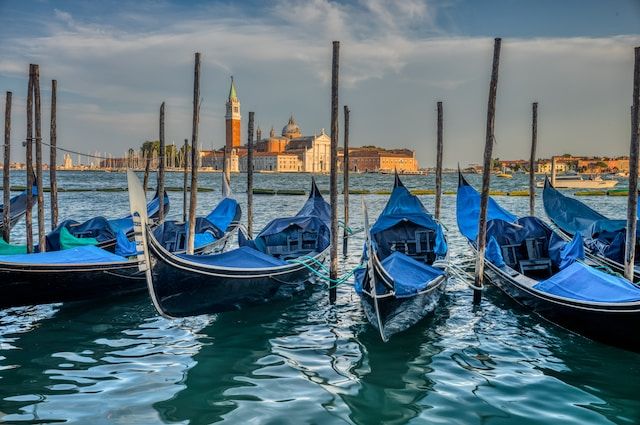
<point>325,273</point>
<point>81,153</point>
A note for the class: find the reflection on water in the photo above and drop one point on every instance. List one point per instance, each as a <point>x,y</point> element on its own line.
<point>303,360</point>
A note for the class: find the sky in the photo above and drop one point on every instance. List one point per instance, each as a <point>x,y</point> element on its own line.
<point>116,61</point>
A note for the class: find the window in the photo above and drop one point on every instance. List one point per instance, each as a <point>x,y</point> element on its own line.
<point>235,109</point>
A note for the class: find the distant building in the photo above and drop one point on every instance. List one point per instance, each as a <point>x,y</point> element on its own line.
<point>375,159</point>
<point>67,163</point>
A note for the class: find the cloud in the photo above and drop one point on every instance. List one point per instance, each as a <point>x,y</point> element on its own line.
<point>112,77</point>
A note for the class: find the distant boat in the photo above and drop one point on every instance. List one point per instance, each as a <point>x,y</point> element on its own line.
<point>574,181</point>
<point>505,176</point>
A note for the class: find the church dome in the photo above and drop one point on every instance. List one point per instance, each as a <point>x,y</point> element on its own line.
<point>291,129</point>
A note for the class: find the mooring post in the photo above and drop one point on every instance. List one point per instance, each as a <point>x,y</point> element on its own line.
<point>185,164</point>
<point>226,170</point>
<point>553,170</point>
<point>28,217</point>
<point>486,173</point>
<point>532,159</point>
<point>147,167</point>
<point>439,148</point>
<point>632,204</point>
<point>53,155</point>
<point>38,127</point>
<point>194,156</point>
<point>6,182</point>
<point>161,165</point>
<point>250,175</point>
<point>333,186</point>
<point>345,182</point>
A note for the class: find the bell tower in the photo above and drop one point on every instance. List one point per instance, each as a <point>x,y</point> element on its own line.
<point>232,119</point>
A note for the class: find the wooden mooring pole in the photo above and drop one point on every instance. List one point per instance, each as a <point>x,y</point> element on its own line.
<point>38,128</point>
<point>185,164</point>
<point>532,159</point>
<point>632,203</point>
<point>6,182</point>
<point>250,175</point>
<point>194,155</point>
<point>333,184</point>
<point>486,173</point>
<point>6,170</point>
<point>345,182</point>
<point>29,166</point>
<point>161,165</point>
<point>147,167</point>
<point>53,155</point>
<point>439,148</point>
<point>553,170</point>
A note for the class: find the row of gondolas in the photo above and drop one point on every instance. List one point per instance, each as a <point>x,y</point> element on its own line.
<point>568,273</point>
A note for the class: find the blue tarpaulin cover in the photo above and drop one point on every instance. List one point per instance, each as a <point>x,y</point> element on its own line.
<point>242,258</point>
<point>80,255</point>
<point>567,213</point>
<point>409,276</point>
<point>468,210</point>
<point>313,217</point>
<point>125,247</point>
<point>572,252</point>
<point>580,282</point>
<point>100,228</point>
<point>224,213</point>
<point>493,254</point>
<point>600,234</point>
<point>441,246</point>
<point>403,206</point>
<point>402,220</point>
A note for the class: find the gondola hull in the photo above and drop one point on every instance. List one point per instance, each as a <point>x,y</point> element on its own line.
<point>39,284</point>
<point>606,323</point>
<point>399,314</point>
<point>182,288</point>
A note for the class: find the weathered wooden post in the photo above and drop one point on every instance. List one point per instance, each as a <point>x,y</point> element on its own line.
<point>439,148</point>
<point>250,175</point>
<point>486,173</point>
<point>632,204</point>
<point>28,217</point>
<point>161,165</point>
<point>532,159</point>
<point>6,182</point>
<point>184,180</point>
<point>194,155</point>
<point>345,182</point>
<point>333,186</point>
<point>38,128</point>
<point>553,170</point>
<point>147,168</point>
<point>53,155</point>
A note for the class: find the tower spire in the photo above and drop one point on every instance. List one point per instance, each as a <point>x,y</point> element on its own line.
<point>232,91</point>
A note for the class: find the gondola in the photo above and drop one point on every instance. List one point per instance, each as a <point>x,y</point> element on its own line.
<point>274,265</point>
<point>405,264</point>
<point>604,238</point>
<point>542,271</point>
<point>17,207</point>
<point>212,232</point>
<point>100,231</point>
<point>87,272</point>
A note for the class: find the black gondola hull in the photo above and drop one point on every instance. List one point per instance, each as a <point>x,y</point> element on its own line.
<point>26,285</point>
<point>183,288</point>
<point>610,324</point>
<point>399,314</point>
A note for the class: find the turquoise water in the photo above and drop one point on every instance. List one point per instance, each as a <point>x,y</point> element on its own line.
<point>304,360</point>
